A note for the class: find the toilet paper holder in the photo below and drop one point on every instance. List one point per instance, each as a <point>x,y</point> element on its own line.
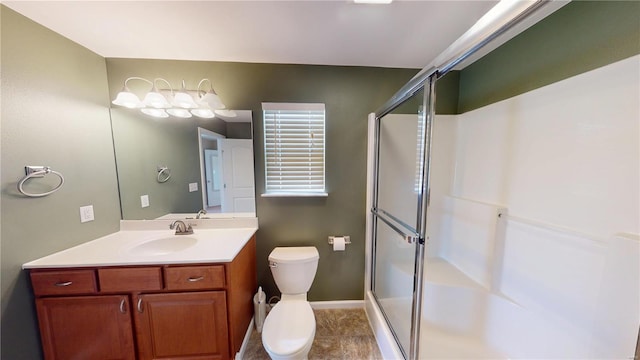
<point>347,239</point>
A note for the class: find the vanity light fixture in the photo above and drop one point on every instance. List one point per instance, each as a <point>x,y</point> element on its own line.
<point>203,113</point>
<point>161,103</point>
<point>226,113</point>
<point>155,99</point>
<point>181,113</point>
<point>210,98</point>
<point>182,99</point>
<point>128,99</point>
<point>159,113</point>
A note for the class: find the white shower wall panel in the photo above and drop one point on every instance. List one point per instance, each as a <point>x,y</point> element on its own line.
<point>443,150</point>
<point>471,232</point>
<point>566,154</point>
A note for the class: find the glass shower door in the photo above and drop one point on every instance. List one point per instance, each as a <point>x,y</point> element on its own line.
<point>397,214</point>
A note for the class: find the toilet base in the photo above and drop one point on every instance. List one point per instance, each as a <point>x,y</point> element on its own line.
<point>289,330</point>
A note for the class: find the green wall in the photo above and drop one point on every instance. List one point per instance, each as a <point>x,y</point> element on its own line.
<point>54,112</point>
<point>447,91</point>
<point>350,93</point>
<point>581,36</point>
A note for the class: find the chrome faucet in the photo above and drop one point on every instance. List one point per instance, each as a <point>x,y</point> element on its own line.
<point>181,227</point>
<point>200,213</point>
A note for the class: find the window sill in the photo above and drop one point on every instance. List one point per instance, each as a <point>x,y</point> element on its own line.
<point>295,194</point>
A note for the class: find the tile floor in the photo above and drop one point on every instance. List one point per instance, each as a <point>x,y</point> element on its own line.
<point>340,334</point>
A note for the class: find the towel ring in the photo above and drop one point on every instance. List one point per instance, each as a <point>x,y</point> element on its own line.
<point>38,172</point>
<point>164,174</point>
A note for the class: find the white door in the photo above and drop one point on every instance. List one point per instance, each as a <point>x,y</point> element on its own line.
<point>213,168</point>
<point>237,162</point>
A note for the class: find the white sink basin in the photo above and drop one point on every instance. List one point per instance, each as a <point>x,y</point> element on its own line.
<point>164,246</point>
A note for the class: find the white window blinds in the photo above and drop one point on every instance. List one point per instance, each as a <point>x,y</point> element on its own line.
<point>294,149</point>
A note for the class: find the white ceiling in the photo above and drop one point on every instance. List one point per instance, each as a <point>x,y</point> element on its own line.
<point>406,34</point>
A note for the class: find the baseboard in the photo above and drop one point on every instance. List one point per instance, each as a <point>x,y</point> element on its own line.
<point>247,335</point>
<point>386,343</point>
<point>340,304</point>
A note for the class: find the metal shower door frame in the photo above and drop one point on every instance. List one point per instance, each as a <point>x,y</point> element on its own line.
<point>417,236</point>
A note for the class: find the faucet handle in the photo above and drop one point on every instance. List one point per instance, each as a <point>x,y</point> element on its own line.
<point>176,224</point>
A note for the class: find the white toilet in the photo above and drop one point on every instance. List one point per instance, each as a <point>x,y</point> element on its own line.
<point>290,327</point>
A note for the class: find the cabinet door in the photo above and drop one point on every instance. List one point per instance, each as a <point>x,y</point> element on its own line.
<point>182,325</point>
<point>86,327</point>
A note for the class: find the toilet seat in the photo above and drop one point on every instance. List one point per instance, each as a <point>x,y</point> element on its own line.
<point>289,328</point>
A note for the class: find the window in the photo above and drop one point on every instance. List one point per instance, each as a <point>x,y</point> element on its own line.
<point>294,146</point>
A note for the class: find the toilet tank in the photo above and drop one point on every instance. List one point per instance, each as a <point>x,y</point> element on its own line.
<point>294,268</point>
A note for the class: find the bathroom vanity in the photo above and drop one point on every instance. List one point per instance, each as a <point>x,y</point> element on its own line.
<point>147,295</point>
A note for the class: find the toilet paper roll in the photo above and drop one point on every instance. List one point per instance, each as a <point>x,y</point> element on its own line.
<point>338,243</point>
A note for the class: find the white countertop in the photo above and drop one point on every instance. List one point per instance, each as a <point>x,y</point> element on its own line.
<point>205,245</point>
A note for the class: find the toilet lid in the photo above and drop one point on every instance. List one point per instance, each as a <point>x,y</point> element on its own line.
<point>289,326</point>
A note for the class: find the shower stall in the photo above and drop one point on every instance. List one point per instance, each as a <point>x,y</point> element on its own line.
<point>453,274</point>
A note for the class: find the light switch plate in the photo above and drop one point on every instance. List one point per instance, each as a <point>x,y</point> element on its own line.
<point>193,187</point>
<point>144,201</point>
<point>86,213</point>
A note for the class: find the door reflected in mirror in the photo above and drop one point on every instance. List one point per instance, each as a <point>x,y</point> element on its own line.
<point>227,172</point>
<point>212,181</point>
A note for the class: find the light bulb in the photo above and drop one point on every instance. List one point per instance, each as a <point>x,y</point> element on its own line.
<point>183,99</point>
<point>181,113</point>
<point>212,100</point>
<point>156,100</point>
<point>158,113</point>
<point>226,113</point>
<point>203,113</point>
<point>127,99</point>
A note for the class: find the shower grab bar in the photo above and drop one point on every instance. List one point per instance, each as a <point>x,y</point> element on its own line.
<point>410,237</point>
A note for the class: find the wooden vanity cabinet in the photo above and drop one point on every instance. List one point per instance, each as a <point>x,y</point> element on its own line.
<point>190,325</point>
<point>86,327</point>
<point>176,311</point>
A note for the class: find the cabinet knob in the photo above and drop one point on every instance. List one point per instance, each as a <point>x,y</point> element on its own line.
<point>139,305</point>
<point>65,283</point>
<point>122,306</point>
<point>194,279</point>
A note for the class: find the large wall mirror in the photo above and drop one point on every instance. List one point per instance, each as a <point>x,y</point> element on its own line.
<point>173,168</point>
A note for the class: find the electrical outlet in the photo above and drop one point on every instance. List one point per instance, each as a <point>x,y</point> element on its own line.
<point>144,201</point>
<point>86,213</point>
<point>193,187</point>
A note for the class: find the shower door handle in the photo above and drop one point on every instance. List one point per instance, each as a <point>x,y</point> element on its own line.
<point>410,237</point>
